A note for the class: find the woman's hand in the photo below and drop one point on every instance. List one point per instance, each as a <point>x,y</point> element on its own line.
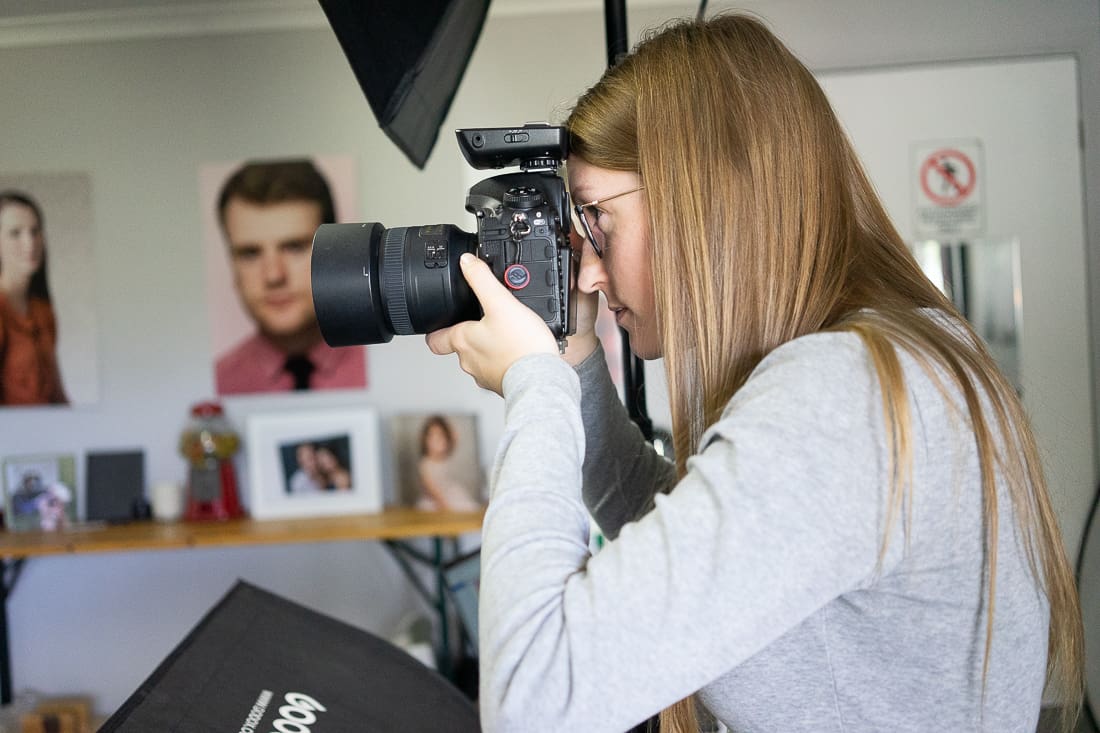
<point>509,330</point>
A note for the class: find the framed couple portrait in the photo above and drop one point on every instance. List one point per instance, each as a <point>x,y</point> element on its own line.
<point>313,463</point>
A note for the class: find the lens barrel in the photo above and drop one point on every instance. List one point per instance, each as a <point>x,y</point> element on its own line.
<point>370,283</point>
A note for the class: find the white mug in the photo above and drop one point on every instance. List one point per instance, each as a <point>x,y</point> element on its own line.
<point>166,498</point>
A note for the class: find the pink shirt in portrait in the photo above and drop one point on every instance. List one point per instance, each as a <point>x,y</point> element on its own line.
<point>255,365</point>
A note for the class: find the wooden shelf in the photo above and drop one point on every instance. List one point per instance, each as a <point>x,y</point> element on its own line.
<point>390,524</point>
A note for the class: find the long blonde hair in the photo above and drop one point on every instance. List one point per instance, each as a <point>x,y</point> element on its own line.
<point>765,228</point>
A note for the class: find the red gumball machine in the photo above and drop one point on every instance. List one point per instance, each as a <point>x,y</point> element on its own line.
<point>209,443</point>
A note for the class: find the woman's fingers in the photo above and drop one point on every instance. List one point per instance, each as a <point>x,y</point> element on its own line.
<point>484,283</point>
<point>508,331</point>
<point>440,341</point>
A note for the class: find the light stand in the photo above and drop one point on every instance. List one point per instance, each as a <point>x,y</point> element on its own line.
<point>614,13</point>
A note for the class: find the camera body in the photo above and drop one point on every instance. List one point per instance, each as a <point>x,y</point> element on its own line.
<point>523,218</point>
<point>370,283</point>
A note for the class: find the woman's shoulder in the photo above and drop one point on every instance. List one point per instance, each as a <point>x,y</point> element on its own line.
<point>844,349</point>
<point>41,315</point>
<point>810,399</point>
<point>807,379</point>
<point>838,364</point>
<point>40,310</point>
<point>820,356</point>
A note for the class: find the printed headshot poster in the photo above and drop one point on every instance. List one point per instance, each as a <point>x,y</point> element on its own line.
<point>258,220</point>
<point>48,325</point>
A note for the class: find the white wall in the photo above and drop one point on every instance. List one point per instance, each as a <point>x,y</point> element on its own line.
<point>141,115</point>
<point>1025,115</point>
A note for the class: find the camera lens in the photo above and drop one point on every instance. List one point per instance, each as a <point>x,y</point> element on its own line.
<point>370,283</point>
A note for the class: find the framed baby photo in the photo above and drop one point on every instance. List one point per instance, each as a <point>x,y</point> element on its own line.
<point>436,458</point>
<point>313,463</point>
<point>39,492</point>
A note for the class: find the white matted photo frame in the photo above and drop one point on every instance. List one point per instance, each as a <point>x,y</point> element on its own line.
<point>309,463</point>
<point>437,461</point>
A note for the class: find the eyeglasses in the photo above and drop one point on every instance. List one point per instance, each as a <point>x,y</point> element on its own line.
<point>592,231</point>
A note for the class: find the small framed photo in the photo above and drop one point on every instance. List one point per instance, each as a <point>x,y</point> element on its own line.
<point>39,492</point>
<point>437,461</point>
<point>314,463</point>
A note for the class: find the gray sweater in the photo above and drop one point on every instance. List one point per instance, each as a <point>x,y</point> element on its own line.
<point>756,580</point>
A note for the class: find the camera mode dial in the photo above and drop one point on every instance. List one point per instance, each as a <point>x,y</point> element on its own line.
<point>523,197</point>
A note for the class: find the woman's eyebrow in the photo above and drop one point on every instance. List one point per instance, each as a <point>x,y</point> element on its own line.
<point>577,194</point>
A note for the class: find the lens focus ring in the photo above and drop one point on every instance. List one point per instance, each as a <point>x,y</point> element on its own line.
<point>393,280</point>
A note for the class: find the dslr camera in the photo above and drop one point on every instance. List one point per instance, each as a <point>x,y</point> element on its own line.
<point>370,283</point>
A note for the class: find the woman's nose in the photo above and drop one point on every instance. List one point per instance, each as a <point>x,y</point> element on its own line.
<point>591,274</point>
<point>590,266</point>
<point>590,271</point>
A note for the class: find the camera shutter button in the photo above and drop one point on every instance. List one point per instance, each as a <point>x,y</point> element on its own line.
<point>517,277</point>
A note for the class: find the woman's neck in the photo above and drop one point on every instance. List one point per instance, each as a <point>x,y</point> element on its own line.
<point>16,292</point>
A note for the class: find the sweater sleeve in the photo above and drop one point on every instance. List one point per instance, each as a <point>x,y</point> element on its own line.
<point>622,472</point>
<point>778,514</point>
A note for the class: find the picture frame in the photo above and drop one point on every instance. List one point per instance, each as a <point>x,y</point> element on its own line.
<point>67,201</point>
<point>312,463</point>
<point>443,476</point>
<point>39,492</point>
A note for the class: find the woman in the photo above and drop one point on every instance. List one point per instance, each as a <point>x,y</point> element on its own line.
<point>334,476</point>
<point>856,534</point>
<point>441,484</point>
<point>29,374</point>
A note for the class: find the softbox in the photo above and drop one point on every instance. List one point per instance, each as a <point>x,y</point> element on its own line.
<point>258,662</point>
<point>409,57</point>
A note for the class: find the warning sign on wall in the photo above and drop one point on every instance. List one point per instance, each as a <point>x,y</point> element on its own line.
<point>947,189</point>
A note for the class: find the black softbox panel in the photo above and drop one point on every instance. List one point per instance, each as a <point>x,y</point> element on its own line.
<point>255,658</point>
<point>409,57</point>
